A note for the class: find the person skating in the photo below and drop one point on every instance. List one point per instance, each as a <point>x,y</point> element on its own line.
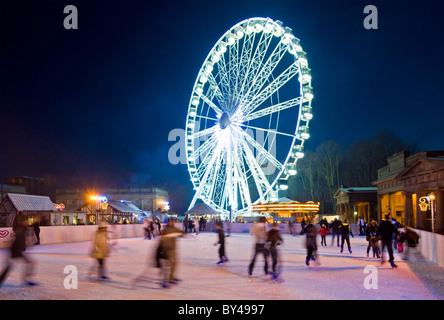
<point>17,251</point>
<point>101,248</point>
<point>168,245</point>
<point>311,243</point>
<point>275,239</point>
<point>335,232</point>
<point>387,231</point>
<point>323,232</point>
<point>412,239</point>
<point>345,231</point>
<point>221,237</point>
<point>258,231</point>
<point>372,236</point>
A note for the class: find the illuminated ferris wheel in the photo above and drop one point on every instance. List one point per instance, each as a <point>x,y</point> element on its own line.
<point>248,116</point>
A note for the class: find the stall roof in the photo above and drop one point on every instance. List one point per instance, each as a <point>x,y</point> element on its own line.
<point>123,206</point>
<point>26,202</point>
<point>202,208</point>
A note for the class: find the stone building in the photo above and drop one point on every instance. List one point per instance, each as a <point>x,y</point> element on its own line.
<point>146,199</point>
<point>410,188</point>
<point>355,202</point>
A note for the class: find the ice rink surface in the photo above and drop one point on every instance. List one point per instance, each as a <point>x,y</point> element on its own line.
<point>133,275</point>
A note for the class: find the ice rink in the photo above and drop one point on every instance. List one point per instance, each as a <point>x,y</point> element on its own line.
<point>133,275</point>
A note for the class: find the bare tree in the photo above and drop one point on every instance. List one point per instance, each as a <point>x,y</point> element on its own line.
<point>330,154</point>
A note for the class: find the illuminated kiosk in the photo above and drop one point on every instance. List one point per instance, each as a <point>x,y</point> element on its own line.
<point>287,210</point>
<point>248,116</point>
<point>202,209</point>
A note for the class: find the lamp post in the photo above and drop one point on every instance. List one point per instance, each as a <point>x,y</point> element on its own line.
<point>431,198</point>
<point>101,203</point>
<point>428,203</point>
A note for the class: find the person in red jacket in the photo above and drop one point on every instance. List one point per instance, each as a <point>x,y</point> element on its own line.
<point>323,232</point>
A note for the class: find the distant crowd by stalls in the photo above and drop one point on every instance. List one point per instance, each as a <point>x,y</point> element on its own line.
<point>198,224</point>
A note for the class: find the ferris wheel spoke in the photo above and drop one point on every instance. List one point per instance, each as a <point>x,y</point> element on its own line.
<point>268,130</point>
<point>267,69</point>
<point>214,90</point>
<point>244,64</point>
<point>262,151</point>
<point>205,131</point>
<point>241,178</point>
<point>277,83</point>
<point>272,109</point>
<point>260,180</point>
<point>208,173</point>
<point>224,79</point>
<point>255,64</point>
<point>204,147</point>
<point>214,179</point>
<point>211,104</point>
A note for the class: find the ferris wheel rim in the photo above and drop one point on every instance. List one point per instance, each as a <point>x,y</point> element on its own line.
<point>221,113</point>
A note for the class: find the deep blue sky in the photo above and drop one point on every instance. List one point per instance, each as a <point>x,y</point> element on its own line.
<point>94,106</point>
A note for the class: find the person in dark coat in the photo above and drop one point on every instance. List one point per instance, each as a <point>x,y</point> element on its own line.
<point>36,226</point>
<point>372,236</point>
<point>17,250</point>
<point>387,231</point>
<point>334,227</point>
<point>345,231</point>
<point>275,239</point>
<point>168,246</point>
<point>221,236</point>
<point>311,243</point>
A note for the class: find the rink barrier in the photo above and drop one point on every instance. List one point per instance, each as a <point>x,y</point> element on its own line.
<point>65,234</point>
<point>431,246</point>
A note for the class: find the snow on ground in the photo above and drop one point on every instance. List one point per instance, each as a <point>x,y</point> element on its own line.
<point>133,275</point>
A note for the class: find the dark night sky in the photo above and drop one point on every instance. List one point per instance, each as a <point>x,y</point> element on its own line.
<point>93,107</point>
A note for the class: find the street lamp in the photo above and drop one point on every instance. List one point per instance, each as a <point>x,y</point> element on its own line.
<point>101,203</point>
<point>431,198</point>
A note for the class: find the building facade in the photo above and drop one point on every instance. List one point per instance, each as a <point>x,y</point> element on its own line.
<point>352,203</point>
<point>146,199</point>
<point>410,189</point>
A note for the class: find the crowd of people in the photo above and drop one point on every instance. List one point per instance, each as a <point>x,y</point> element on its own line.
<point>388,234</point>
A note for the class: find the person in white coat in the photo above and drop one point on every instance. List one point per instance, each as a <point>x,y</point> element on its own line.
<point>259,232</point>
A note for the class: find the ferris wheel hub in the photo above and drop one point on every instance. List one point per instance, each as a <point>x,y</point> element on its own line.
<point>224,120</point>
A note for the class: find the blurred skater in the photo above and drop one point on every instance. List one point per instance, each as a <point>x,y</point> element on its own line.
<point>17,251</point>
<point>401,237</point>
<point>159,227</point>
<point>387,231</point>
<point>372,236</point>
<point>311,243</point>
<point>221,236</point>
<point>275,239</point>
<point>101,248</point>
<point>335,232</point>
<point>168,247</point>
<point>196,224</point>
<point>412,239</point>
<point>345,231</point>
<point>145,228</point>
<point>36,227</point>
<point>258,231</point>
